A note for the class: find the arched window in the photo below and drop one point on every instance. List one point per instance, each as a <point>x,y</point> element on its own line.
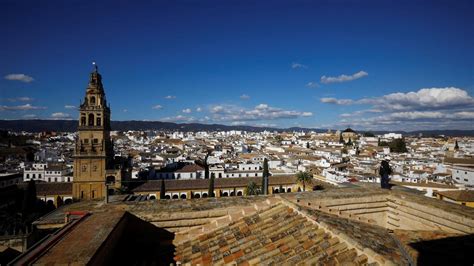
<point>91,120</point>
<point>175,196</point>
<point>183,196</point>
<point>27,176</point>
<point>167,197</point>
<point>83,120</point>
<point>225,194</point>
<point>92,100</point>
<point>98,121</point>
<point>152,197</point>
<point>239,193</point>
<point>197,196</point>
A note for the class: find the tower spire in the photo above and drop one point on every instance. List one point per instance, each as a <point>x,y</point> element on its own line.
<point>96,68</point>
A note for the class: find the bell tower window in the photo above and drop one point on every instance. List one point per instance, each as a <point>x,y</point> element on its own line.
<point>91,119</point>
<point>92,101</point>
<point>83,120</point>
<point>98,121</point>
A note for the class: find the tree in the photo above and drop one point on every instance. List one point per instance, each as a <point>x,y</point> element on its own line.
<point>206,166</point>
<point>307,145</point>
<point>341,139</point>
<point>59,201</point>
<point>251,189</point>
<point>210,192</point>
<point>398,145</point>
<point>456,146</point>
<point>29,199</point>
<point>162,189</point>
<point>369,134</point>
<point>265,177</point>
<point>303,178</point>
<point>349,143</point>
<point>378,142</point>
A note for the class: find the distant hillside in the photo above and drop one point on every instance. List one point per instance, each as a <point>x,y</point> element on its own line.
<point>71,125</point>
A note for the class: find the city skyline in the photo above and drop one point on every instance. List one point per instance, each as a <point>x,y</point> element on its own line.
<point>320,65</point>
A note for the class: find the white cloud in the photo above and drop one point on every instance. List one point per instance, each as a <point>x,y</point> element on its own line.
<point>69,106</point>
<point>199,109</point>
<point>19,77</point>
<point>20,99</point>
<point>259,112</point>
<point>312,84</point>
<point>60,115</point>
<point>187,110</point>
<point>296,65</point>
<point>125,110</point>
<point>157,107</point>
<point>337,101</point>
<point>428,108</point>
<point>170,97</point>
<point>343,78</point>
<point>21,107</point>
<point>244,97</point>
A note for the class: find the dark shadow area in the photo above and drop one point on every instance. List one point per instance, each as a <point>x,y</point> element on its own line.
<point>447,251</point>
<point>136,242</point>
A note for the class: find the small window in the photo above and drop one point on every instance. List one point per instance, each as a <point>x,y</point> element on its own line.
<point>86,141</point>
<point>96,141</point>
<point>465,179</point>
<point>92,101</point>
<point>99,122</point>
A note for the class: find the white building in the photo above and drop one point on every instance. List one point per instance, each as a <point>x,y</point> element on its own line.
<point>463,175</point>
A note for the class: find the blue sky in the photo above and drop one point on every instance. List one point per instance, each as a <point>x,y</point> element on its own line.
<point>365,64</point>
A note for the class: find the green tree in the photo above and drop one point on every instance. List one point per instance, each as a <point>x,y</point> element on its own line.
<point>456,146</point>
<point>341,139</point>
<point>251,189</point>
<point>210,192</point>
<point>162,189</point>
<point>398,145</point>
<point>265,177</point>
<point>206,166</point>
<point>349,143</point>
<point>304,178</point>
<point>59,201</point>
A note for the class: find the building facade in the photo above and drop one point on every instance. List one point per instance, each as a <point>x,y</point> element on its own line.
<point>93,153</point>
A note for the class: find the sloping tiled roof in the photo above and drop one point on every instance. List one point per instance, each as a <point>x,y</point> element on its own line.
<point>277,236</point>
<point>190,168</point>
<point>51,188</point>
<point>458,195</point>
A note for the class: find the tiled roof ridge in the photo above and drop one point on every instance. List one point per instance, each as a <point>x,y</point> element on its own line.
<point>373,257</point>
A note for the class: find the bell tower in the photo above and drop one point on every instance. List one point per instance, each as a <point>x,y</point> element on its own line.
<point>93,153</point>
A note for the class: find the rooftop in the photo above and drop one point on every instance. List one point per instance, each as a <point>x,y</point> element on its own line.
<point>356,224</point>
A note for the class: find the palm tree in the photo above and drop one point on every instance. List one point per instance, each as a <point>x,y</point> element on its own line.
<point>304,178</point>
<point>251,189</point>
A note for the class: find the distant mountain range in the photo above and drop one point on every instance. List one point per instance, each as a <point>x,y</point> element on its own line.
<point>71,126</point>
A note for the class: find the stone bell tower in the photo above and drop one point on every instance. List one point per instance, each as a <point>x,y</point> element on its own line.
<point>93,153</point>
